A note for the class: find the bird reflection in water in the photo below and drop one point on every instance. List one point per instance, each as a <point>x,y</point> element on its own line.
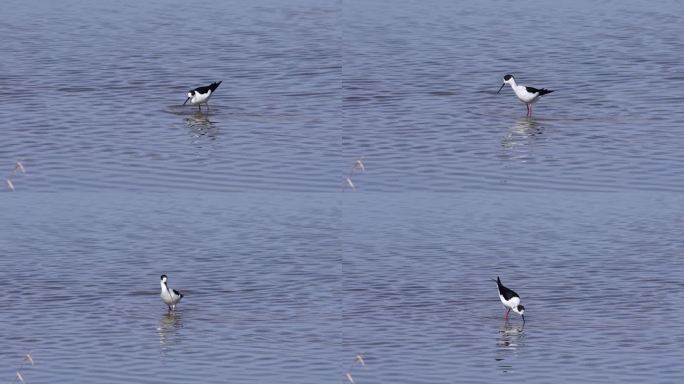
<point>200,126</point>
<point>169,324</point>
<point>524,132</point>
<point>511,338</point>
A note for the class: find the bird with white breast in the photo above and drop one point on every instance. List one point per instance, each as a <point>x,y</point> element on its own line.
<point>170,297</point>
<point>201,95</point>
<point>510,300</point>
<point>527,95</point>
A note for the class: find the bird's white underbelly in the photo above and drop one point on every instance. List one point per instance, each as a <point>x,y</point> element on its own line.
<point>200,98</point>
<point>526,97</point>
<point>512,303</point>
<point>168,299</point>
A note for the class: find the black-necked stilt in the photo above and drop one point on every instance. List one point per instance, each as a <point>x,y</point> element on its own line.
<point>527,95</point>
<point>201,95</point>
<point>171,297</point>
<point>510,300</point>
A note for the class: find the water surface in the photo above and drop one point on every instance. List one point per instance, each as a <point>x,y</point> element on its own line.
<point>420,82</point>
<point>93,94</point>
<point>260,276</point>
<point>287,279</point>
<point>599,275</point>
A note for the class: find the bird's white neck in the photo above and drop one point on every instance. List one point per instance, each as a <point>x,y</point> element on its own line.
<point>518,89</point>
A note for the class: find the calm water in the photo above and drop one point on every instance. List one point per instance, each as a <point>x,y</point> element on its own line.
<point>420,99</point>
<point>286,279</point>
<point>80,272</point>
<point>600,277</point>
<point>93,94</point>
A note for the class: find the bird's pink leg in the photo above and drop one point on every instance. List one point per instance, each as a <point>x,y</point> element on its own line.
<point>528,109</point>
<point>507,312</point>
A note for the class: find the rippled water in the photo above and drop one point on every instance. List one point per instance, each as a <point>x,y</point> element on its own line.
<point>420,99</point>
<point>287,279</point>
<point>80,276</point>
<point>600,277</point>
<point>93,94</point>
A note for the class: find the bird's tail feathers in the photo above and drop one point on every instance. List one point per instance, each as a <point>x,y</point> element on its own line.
<point>544,91</point>
<point>215,85</point>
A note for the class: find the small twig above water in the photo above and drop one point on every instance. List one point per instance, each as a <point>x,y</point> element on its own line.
<point>18,168</point>
<point>348,183</point>
<point>357,360</point>
<point>28,359</point>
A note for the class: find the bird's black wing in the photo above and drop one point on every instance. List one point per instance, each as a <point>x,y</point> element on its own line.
<point>541,92</point>
<point>177,293</point>
<point>203,90</point>
<point>211,87</point>
<point>505,292</point>
<point>215,85</point>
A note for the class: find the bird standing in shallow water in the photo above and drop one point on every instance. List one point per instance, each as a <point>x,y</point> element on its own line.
<point>527,95</point>
<point>170,297</point>
<point>201,95</point>
<point>510,300</point>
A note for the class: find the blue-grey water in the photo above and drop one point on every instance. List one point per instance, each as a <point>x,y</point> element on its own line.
<point>600,276</point>
<point>80,276</point>
<point>286,276</point>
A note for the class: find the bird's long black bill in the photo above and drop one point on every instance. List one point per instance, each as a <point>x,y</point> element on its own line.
<point>502,85</point>
<point>523,317</point>
<point>186,101</point>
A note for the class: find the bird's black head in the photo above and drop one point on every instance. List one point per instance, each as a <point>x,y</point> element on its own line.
<point>521,309</point>
<point>163,277</point>
<point>507,80</point>
<point>191,94</point>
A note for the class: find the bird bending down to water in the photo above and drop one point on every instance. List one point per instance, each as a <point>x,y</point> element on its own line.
<point>201,95</point>
<point>527,95</point>
<point>510,300</point>
<point>171,297</point>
